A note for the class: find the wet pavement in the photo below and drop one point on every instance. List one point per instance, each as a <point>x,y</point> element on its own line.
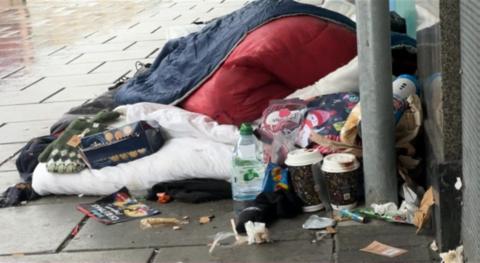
<point>55,55</point>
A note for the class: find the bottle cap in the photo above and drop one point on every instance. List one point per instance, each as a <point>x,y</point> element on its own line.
<point>246,129</point>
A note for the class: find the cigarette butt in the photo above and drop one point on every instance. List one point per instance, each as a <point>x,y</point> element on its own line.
<point>155,221</point>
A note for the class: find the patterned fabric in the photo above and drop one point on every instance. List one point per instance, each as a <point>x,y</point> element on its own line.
<point>326,116</point>
<point>62,155</point>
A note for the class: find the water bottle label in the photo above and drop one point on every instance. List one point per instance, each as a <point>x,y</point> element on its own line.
<point>247,152</point>
<point>250,175</point>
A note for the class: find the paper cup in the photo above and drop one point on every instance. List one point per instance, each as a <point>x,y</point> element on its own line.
<point>341,172</point>
<point>304,167</point>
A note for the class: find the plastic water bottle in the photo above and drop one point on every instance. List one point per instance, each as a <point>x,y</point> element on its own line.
<point>248,169</point>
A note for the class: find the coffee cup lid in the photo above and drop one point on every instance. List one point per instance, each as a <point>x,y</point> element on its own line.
<point>340,162</point>
<point>303,157</point>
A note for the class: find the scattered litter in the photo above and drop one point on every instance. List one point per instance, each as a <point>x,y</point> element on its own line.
<point>354,216</point>
<point>407,210</point>
<point>434,246</point>
<point>458,184</point>
<point>390,213</point>
<point>186,218</point>
<point>80,195</point>
<point>176,227</point>
<point>220,237</point>
<point>331,230</point>
<point>319,236</point>
<point>316,222</point>
<point>422,215</point>
<point>239,239</point>
<point>328,230</point>
<point>257,233</point>
<point>383,209</point>
<point>163,198</point>
<point>206,219</point>
<point>383,250</point>
<point>411,196</point>
<point>339,219</point>
<point>118,207</point>
<point>158,221</point>
<point>453,256</point>
<point>23,202</point>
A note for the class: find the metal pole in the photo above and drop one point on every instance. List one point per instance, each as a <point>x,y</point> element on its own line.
<point>375,78</point>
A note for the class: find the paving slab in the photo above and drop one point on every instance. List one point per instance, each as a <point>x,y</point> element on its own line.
<point>51,68</point>
<point>7,156</point>
<point>112,56</point>
<point>8,166</point>
<point>19,83</point>
<point>63,199</point>
<point>36,228</point>
<point>283,251</point>
<point>34,112</point>
<point>8,150</point>
<point>129,234</point>
<point>131,255</point>
<point>8,179</point>
<point>350,239</point>
<point>22,132</point>
<point>78,93</point>
<point>81,80</point>
<point>28,96</point>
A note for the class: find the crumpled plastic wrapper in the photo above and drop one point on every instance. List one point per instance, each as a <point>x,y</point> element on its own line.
<point>383,209</point>
<point>316,222</point>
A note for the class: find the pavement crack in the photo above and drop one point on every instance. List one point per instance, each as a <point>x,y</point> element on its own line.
<point>73,59</point>
<point>108,40</point>
<point>89,35</point>
<point>155,30</point>
<point>56,50</point>
<point>51,95</point>
<point>129,46</point>
<point>96,67</point>
<point>33,83</point>
<point>153,255</point>
<point>151,53</point>
<point>13,72</point>
<point>72,234</point>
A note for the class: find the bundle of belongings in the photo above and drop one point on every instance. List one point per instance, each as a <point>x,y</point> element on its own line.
<point>289,67</point>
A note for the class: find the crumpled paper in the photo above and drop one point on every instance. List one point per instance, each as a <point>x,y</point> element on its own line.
<point>422,215</point>
<point>453,256</point>
<point>257,233</point>
<point>383,209</point>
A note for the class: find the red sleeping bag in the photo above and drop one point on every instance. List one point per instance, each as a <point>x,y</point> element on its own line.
<point>270,63</point>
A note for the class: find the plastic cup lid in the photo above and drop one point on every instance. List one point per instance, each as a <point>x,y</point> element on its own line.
<point>303,157</point>
<point>340,162</point>
<point>313,208</point>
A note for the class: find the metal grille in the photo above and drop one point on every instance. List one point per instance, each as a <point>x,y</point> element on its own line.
<point>470,49</point>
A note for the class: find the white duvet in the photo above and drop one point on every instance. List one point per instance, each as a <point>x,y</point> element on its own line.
<point>198,148</point>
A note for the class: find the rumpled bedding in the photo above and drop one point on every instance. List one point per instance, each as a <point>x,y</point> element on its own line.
<point>198,148</point>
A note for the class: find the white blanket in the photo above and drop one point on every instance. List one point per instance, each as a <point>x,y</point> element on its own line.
<point>199,148</point>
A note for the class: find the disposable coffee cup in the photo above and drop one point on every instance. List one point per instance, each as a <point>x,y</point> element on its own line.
<point>304,167</point>
<point>341,172</point>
